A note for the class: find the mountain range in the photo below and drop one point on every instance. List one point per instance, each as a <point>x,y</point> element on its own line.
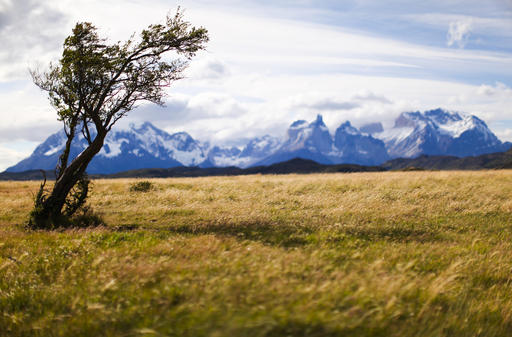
<point>433,132</point>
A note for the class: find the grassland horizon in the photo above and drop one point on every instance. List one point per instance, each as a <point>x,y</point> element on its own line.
<point>360,254</point>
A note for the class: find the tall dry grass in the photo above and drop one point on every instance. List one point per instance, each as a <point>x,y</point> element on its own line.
<point>370,254</point>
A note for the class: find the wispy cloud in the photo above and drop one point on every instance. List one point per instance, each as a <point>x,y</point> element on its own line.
<point>319,102</point>
<point>207,68</point>
<point>458,33</point>
<point>497,90</point>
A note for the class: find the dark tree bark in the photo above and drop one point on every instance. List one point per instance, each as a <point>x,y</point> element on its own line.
<point>53,205</point>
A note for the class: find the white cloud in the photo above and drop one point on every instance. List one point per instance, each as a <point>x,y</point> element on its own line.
<point>25,113</point>
<point>368,96</point>
<point>319,102</point>
<point>28,28</point>
<point>458,33</point>
<point>211,105</point>
<point>492,24</point>
<point>497,90</point>
<point>504,134</point>
<point>207,68</point>
<point>9,157</point>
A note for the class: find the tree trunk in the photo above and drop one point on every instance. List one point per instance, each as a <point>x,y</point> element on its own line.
<point>51,212</point>
<point>63,159</point>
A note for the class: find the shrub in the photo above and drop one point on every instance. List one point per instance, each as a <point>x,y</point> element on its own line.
<point>412,168</point>
<point>141,186</point>
<point>85,218</point>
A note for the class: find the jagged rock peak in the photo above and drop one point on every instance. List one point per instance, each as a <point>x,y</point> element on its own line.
<point>299,124</point>
<point>319,120</point>
<point>440,132</point>
<point>348,128</point>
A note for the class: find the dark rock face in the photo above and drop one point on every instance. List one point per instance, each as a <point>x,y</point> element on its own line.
<point>305,140</point>
<point>359,148</point>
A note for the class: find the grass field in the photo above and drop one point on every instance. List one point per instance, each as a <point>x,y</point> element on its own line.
<point>370,254</point>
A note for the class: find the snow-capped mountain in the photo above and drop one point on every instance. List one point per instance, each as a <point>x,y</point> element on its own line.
<point>305,140</point>
<point>142,146</point>
<point>223,157</point>
<point>256,149</point>
<point>434,132</point>
<point>440,132</point>
<point>260,147</point>
<point>314,141</point>
<point>354,146</point>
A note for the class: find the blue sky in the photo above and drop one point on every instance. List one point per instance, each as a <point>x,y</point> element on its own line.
<point>272,62</point>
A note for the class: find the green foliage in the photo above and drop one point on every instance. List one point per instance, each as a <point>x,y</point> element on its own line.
<point>77,197</point>
<point>37,218</point>
<point>86,218</point>
<point>141,186</point>
<point>75,214</point>
<point>94,85</point>
<point>97,83</point>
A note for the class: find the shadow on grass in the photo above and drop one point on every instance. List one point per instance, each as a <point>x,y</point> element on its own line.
<point>295,235</point>
<point>299,328</point>
<point>277,234</point>
<point>398,234</point>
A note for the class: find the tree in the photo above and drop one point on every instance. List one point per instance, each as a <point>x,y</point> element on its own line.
<point>94,85</point>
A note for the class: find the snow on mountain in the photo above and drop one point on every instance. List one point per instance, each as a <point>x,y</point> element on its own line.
<point>433,132</point>
<point>146,146</point>
<point>439,132</point>
<point>305,140</point>
<point>223,157</point>
<point>260,147</point>
<point>256,149</point>
<point>313,137</point>
<point>313,141</point>
<point>148,140</point>
<point>139,146</point>
<point>356,147</point>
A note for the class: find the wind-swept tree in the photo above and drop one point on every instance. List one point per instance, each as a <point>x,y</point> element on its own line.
<point>94,85</point>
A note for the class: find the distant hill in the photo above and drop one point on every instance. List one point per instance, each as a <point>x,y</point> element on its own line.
<point>499,160</point>
<point>27,175</point>
<point>296,165</point>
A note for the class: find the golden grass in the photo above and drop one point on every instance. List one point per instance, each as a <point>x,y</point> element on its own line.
<point>371,254</point>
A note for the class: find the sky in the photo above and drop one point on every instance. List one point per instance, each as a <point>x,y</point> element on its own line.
<point>269,63</point>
